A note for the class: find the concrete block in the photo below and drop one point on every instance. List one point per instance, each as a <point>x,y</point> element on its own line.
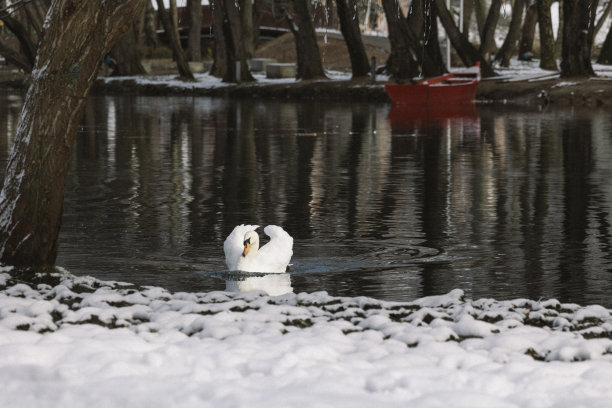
<point>276,70</point>
<point>260,64</point>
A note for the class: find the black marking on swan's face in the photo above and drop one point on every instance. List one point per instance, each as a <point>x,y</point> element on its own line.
<point>247,245</point>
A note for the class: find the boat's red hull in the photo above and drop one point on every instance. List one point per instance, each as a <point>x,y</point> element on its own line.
<point>437,94</point>
<point>454,88</point>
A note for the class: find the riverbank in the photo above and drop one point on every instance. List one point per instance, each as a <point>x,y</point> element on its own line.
<point>523,84</point>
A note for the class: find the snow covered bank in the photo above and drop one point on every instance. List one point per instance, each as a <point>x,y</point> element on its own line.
<point>75,341</point>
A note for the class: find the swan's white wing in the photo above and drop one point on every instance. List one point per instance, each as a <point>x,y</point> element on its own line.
<point>233,245</point>
<point>278,251</point>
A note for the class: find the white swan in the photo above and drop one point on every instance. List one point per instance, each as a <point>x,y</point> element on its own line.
<point>242,252</point>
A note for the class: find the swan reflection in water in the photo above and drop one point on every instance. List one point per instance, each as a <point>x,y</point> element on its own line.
<point>273,284</point>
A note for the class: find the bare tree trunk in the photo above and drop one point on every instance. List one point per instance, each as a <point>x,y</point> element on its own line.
<point>195,30</point>
<point>605,55</point>
<point>151,38</point>
<point>467,52</point>
<point>349,25</point>
<point>480,11</point>
<point>175,43</point>
<point>401,64</point>
<point>258,6</point>
<point>173,11</point>
<point>246,28</point>
<point>15,58</point>
<point>36,12</point>
<point>310,65</point>
<point>578,30</point>
<point>514,31</point>
<point>528,31</point>
<point>603,18</point>
<point>468,10</point>
<point>234,46</point>
<point>27,44</point>
<point>422,29</point>
<point>67,64</point>
<point>220,56</point>
<point>127,56</point>
<point>547,39</point>
<point>487,44</point>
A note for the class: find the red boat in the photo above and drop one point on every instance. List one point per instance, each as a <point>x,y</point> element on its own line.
<point>454,88</point>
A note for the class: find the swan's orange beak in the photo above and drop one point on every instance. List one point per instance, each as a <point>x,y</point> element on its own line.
<point>247,245</point>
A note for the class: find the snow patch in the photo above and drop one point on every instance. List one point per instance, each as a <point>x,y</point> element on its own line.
<point>77,341</point>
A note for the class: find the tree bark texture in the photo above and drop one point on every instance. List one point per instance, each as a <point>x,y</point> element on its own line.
<point>246,28</point>
<point>468,11</point>
<point>310,65</point>
<point>195,30</point>
<point>547,39</point>
<point>234,46</point>
<point>151,38</point>
<point>27,44</point>
<point>605,55</point>
<point>127,56</point>
<point>467,52</point>
<point>76,37</point>
<point>220,55</point>
<point>578,29</point>
<point>528,30</point>
<point>487,43</point>
<point>349,25</point>
<point>509,46</point>
<point>258,6</point>
<point>480,11</point>
<point>175,43</point>
<point>423,16</point>
<point>603,18</point>
<point>401,64</point>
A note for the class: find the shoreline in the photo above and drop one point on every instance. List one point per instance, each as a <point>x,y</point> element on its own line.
<point>535,92</point>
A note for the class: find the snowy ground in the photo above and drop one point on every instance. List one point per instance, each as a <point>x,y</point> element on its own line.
<point>70,341</point>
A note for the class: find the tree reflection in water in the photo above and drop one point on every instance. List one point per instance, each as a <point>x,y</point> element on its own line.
<point>384,203</point>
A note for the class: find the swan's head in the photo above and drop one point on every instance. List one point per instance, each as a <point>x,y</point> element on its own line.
<point>251,242</point>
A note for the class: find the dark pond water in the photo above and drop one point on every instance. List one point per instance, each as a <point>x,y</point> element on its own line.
<point>394,205</point>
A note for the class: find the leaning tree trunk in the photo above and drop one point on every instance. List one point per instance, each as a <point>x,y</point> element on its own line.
<point>547,39</point>
<point>487,43</point>
<point>508,48</point>
<point>175,43</point>
<point>150,33</point>
<point>480,11</point>
<point>468,11</point>
<point>401,64</point>
<point>605,55</point>
<point>422,31</point>
<point>127,56</point>
<point>349,25</point>
<point>528,31</point>
<point>467,52</point>
<point>77,36</point>
<point>310,65</point>
<point>15,58</point>
<point>195,30</point>
<point>578,28</point>
<point>27,45</point>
